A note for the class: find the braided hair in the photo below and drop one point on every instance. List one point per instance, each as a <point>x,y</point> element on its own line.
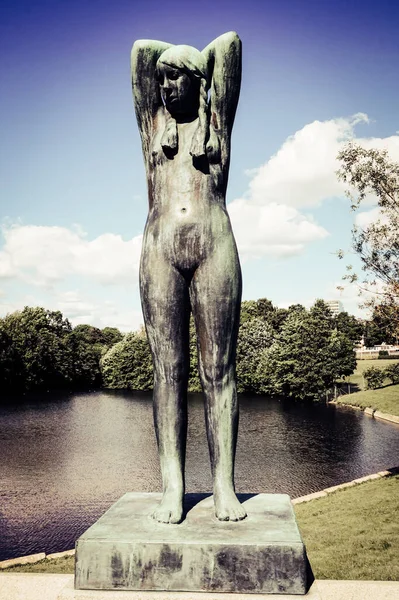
<point>192,62</point>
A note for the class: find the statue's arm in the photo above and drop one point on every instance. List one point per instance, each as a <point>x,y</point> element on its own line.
<point>146,94</point>
<point>224,62</point>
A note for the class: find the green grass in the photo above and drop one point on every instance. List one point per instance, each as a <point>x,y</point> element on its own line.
<point>384,399</point>
<point>362,365</point>
<point>350,534</point>
<point>354,533</point>
<point>57,565</point>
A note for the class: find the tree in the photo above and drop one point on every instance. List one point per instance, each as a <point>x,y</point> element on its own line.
<point>86,344</point>
<point>194,382</point>
<point>111,336</point>
<point>379,329</point>
<point>307,356</point>
<point>34,349</point>
<point>128,364</point>
<point>263,309</point>
<point>350,326</point>
<point>377,244</point>
<point>254,337</point>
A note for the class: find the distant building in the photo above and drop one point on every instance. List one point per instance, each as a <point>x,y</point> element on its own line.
<point>363,352</point>
<point>335,306</point>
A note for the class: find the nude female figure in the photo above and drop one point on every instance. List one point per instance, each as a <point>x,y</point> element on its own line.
<point>189,259</point>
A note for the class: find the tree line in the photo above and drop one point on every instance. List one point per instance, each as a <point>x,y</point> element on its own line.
<point>39,349</point>
<point>294,352</point>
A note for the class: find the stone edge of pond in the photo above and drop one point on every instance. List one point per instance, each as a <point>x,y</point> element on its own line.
<point>342,486</point>
<point>35,558</point>
<point>371,412</point>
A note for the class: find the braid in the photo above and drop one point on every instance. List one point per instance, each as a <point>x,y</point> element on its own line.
<point>201,134</point>
<point>169,140</point>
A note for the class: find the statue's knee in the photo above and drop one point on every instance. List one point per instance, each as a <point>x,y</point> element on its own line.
<point>217,374</point>
<point>172,371</point>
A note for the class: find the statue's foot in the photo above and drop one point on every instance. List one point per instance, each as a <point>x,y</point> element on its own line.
<point>170,509</point>
<point>227,505</point>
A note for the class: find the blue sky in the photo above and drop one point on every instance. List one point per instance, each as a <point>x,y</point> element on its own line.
<point>72,185</point>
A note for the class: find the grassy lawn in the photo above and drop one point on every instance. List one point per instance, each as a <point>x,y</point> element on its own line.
<point>384,399</point>
<point>362,365</point>
<point>351,534</point>
<point>354,533</point>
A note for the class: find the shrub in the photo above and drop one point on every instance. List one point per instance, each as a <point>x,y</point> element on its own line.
<point>392,372</point>
<point>374,377</point>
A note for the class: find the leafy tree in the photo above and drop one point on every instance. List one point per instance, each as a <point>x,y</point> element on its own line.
<point>111,336</point>
<point>263,309</point>
<point>254,337</point>
<point>381,327</point>
<point>34,349</point>
<point>194,382</point>
<point>128,364</point>
<point>307,356</point>
<point>349,326</point>
<point>86,344</point>
<point>11,363</point>
<point>372,172</point>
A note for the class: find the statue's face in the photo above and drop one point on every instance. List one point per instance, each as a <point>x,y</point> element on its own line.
<point>178,90</point>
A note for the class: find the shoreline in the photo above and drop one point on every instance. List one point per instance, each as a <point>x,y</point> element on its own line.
<point>38,557</point>
<point>371,412</point>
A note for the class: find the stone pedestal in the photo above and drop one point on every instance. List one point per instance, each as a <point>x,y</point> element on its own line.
<point>127,550</point>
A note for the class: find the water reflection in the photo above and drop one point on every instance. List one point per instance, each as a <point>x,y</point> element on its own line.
<point>66,458</point>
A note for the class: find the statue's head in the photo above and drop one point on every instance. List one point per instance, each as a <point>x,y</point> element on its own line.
<point>183,79</point>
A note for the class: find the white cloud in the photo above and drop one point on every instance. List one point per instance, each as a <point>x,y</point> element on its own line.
<point>100,313</point>
<point>365,218</point>
<point>273,229</point>
<point>46,255</point>
<point>300,175</point>
<point>302,172</point>
<point>81,308</point>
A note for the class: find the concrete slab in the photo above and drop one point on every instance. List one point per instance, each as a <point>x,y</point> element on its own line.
<point>358,590</point>
<point>126,549</point>
<point>43,586</point>
<point>32,586</point>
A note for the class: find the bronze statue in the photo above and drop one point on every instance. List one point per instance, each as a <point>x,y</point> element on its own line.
<point>189,260</point>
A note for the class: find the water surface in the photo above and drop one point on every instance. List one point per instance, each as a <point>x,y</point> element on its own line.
<point>65,458</point>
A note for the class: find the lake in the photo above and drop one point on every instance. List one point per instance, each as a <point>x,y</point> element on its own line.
<point>65,458</point>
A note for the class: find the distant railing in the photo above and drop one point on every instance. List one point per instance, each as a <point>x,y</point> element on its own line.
<point>341,389</point>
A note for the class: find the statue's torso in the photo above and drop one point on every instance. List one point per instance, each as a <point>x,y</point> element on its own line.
<point>187,213</point>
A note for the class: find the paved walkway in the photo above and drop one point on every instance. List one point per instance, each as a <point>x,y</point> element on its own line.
<point>44,586</point>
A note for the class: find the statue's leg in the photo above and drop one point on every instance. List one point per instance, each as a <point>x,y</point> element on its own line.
<point>166,310</point>
<point>215,298</point>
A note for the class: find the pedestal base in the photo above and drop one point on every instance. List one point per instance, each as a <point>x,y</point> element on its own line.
<point>127,550</point>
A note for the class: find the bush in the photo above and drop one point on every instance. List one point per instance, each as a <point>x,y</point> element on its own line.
<point>383,354</point>
<point>374,378</point>
<point>392,372</point>
<point>128,364</point>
